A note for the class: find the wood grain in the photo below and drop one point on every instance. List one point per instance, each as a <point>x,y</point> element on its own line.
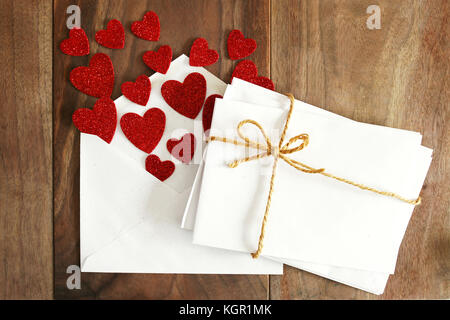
<point>26,249</point>
<point>321,51</point>
<point>181,23</point>
<point>397,76</point>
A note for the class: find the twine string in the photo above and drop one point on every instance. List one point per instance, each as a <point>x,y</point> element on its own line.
<point>281,151</point>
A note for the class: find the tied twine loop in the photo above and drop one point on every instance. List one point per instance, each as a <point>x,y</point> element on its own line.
<point>281,151</point>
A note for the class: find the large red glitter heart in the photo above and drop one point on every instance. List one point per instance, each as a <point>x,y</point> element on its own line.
<point>183,149</point>
<point>148,28</point>
<point>160,169</point>
<point>100,121</point>
<point>246,70</point>
<point>200,55</point>
<point>144,132</point>
<point>139,91</point>
<point>186,98</point>
<point>77,44</point>
<point>159,60</point>
<point>97,80</point>
<point>208,110</point>
<point>238,46</point>
<point>113,37</point>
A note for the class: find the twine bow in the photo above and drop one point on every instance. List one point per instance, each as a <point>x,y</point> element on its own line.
<point>281,151</point>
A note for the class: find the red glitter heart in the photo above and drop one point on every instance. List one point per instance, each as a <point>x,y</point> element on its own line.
<point>113,37</point>
<point>183,149</point>
<point>208,110</point>
<point>148,28</point>
<point>97,80</point>
<point>144,132</point>
<point>200,55</point>
<point>159,60</point>
<point>100,121</point>
<point>238,46</point>
<point>139,91</point>
<point>77,44</point>
<point>160,169</point>
<point>246,70</point>
<point>186,98</point>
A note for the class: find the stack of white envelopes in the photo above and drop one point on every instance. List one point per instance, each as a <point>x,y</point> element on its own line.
<point>130,220</point>
<point>315,222</point>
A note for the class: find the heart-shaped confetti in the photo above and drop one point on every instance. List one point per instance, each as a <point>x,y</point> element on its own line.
<point>113,37</point>
<point>100,121</point>
<point>208,110</point>
<point>183,149</point>
<point>77,44</point>
<point>159,60</point>
<point>246,70</point>
<point>144,132</point>
<point>238,46</point>
<point>148,28</point>
<point>97,80</point>
<point>200,55</point>
<point>186,98</point>
<point>138,91</point>
<point>160,169</point>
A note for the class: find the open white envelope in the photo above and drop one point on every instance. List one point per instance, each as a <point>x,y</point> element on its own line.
<point>129,220</point>
<point>240,90</point>
<point>362,232</point>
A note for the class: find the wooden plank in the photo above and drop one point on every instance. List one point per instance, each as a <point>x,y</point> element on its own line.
<point>26,249</point>
<point>181,23</point>
<point>397,76</point>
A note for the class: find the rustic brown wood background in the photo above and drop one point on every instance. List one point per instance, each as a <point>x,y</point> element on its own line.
<point>321,51</point>
<point>26,200</point>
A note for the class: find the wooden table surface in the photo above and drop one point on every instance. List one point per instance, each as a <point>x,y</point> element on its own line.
<point>322,51</point>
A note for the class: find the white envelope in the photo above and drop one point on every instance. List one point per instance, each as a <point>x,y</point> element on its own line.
<point>373,282</point>
<point>129,220</point>
<point>244,91</point>
<point>313,218</point>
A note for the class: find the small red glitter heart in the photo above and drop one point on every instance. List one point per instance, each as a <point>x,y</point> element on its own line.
<point>100,121</point>
<point>159,60</point>
<point>138,91</point>
<point>200,55</point>
<point>144,132</point>
<point>246,70</point>
<point>208,110</point>
<point>238,46</point>
<point>113,37</point>
<point>160,169</point>
<point>97,80</point>
<point>77,44</point>
<point>183,149</point>
<point>148,28</point>
<point>186,98</point>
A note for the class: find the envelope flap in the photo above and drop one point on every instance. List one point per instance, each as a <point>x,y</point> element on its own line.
<point>176,124</point>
